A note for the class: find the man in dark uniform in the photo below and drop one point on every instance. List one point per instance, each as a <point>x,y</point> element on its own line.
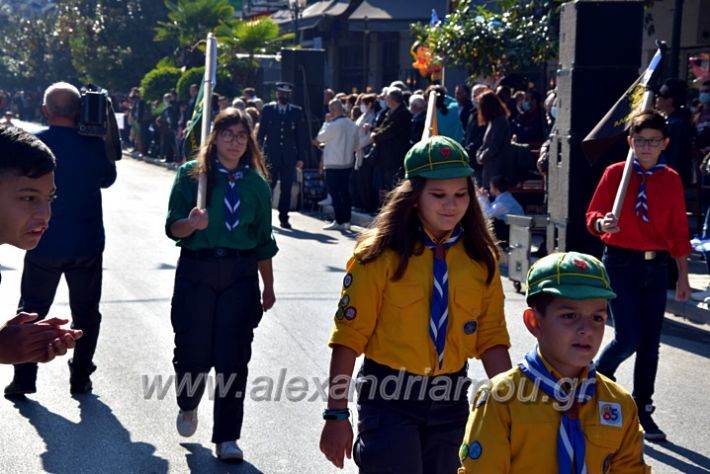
<point>281,137</point>
<point>73,245</point>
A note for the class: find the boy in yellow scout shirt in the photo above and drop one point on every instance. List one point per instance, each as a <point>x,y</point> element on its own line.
<point>554,413</point>
<point>421,296</point>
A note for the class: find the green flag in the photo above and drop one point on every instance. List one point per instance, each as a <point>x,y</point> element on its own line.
<point>191,137</point>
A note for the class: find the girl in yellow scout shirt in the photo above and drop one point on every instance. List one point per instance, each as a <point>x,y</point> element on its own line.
<point>421,296</point>
<point>216,303</point>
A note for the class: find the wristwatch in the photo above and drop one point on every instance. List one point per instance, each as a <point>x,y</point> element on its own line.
<point>333,414</point>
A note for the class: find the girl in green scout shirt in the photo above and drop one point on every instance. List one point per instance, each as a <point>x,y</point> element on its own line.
<point>421,296</point>
<point>216,302</point>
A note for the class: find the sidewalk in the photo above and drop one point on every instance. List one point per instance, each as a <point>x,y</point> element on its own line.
<point>692,312</point>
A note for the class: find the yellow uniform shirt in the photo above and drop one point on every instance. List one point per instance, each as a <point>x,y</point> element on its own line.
<point>513,430</point>
<point>388,320</point>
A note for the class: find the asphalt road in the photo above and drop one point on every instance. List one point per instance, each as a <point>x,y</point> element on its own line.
<point>123,428</point>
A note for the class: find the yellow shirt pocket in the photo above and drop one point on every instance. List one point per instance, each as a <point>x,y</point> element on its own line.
<point>464,319</point>
<point>405,299</point>
<point>603,442</point>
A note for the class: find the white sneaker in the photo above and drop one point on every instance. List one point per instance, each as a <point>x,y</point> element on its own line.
<point>187,422</point>
<point>346,227</point>
<point>333,226</point>
<point>326,202</point>
<point>700,295</point>
<point>229,451</point>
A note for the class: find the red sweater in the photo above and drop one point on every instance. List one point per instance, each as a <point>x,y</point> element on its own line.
<point>667,228</point>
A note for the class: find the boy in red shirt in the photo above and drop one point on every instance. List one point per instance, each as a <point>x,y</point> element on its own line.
<point>652,225</point>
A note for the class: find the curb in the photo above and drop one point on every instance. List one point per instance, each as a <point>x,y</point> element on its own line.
<point>691,310</point>
<point>149,159</point>
<point>359,219</point>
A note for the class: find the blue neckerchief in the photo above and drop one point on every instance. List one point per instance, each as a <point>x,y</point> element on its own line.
<point>641,199</point>
<point>571,445</point>
<point>231,196</point>
<point>440,295</point>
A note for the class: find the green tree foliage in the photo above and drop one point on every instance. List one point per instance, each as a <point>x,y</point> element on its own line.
<point>159,81</point>
<point>188,23</point>
<point>225,84</point>
<point>191,76</point>
<point>111,40</point>
<point>520,35</point>
<point>259,36</point>
<point>31,55</point>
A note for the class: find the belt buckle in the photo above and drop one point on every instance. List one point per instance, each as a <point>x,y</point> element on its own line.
<point>649,254</point>
<point>219,252</point>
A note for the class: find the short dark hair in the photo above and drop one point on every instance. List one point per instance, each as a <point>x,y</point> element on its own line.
<point>648,119</point>
<point>501,183</point>
<point>465,88</point>
<point>24,154</point>
<point>395,94</point>
<point>540,301</point>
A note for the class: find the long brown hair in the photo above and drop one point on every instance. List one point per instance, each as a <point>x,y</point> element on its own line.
<point>489,107</point>
<point>398,227</point>
<point>208,151</point>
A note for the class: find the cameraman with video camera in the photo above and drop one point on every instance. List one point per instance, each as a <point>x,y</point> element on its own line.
<point>74,242</point>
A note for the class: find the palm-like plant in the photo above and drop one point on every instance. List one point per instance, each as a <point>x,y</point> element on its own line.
<point>189,22</point>
<point>259,36</point>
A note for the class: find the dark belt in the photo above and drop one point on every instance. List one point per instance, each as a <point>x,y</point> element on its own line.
<point>402,390</point>
<point>643,254</point>
<point>218,252</point>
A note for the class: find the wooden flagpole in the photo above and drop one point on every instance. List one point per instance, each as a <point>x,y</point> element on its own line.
<point>210,79</point>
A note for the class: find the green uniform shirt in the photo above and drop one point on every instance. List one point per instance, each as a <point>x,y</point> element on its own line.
<point>254,229</point>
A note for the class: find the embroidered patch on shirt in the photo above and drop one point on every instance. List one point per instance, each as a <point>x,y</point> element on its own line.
<point>348,280</point>
<point>350,313</point>
<point>470,327</point>
<point>463,452</point>
<point>344,301</point>
<point>475,450</point>
<point>610,414</point>
<point>340,314</point>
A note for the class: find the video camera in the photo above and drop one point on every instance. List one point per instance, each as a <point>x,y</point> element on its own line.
<point>93,114</point>
<point>97,119</point>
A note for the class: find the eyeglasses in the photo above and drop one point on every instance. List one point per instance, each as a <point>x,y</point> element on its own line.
<point>644,142</point>
<point>228,136</point>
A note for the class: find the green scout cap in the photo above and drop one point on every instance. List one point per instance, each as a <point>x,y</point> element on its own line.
<point>437,157</point>
<point>572,275</point>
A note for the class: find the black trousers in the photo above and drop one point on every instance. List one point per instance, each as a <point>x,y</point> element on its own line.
<point>216,306</point>
<point>40,279</point>
<point>367,195</point>
<point>286,173</point>
<point>409,433</point>
<point>339,188</point>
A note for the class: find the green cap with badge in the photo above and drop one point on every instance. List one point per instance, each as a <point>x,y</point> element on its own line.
<point>437,157</point>
<point>572,275</point>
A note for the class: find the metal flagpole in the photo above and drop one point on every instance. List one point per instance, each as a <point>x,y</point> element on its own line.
<point>430,116</point>
<point>210,79</point>
<point>646,103</point>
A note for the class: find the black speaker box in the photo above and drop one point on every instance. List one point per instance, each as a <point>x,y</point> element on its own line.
<point>600,33</point>
<point>305,69</point>
<point>600,54</point>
